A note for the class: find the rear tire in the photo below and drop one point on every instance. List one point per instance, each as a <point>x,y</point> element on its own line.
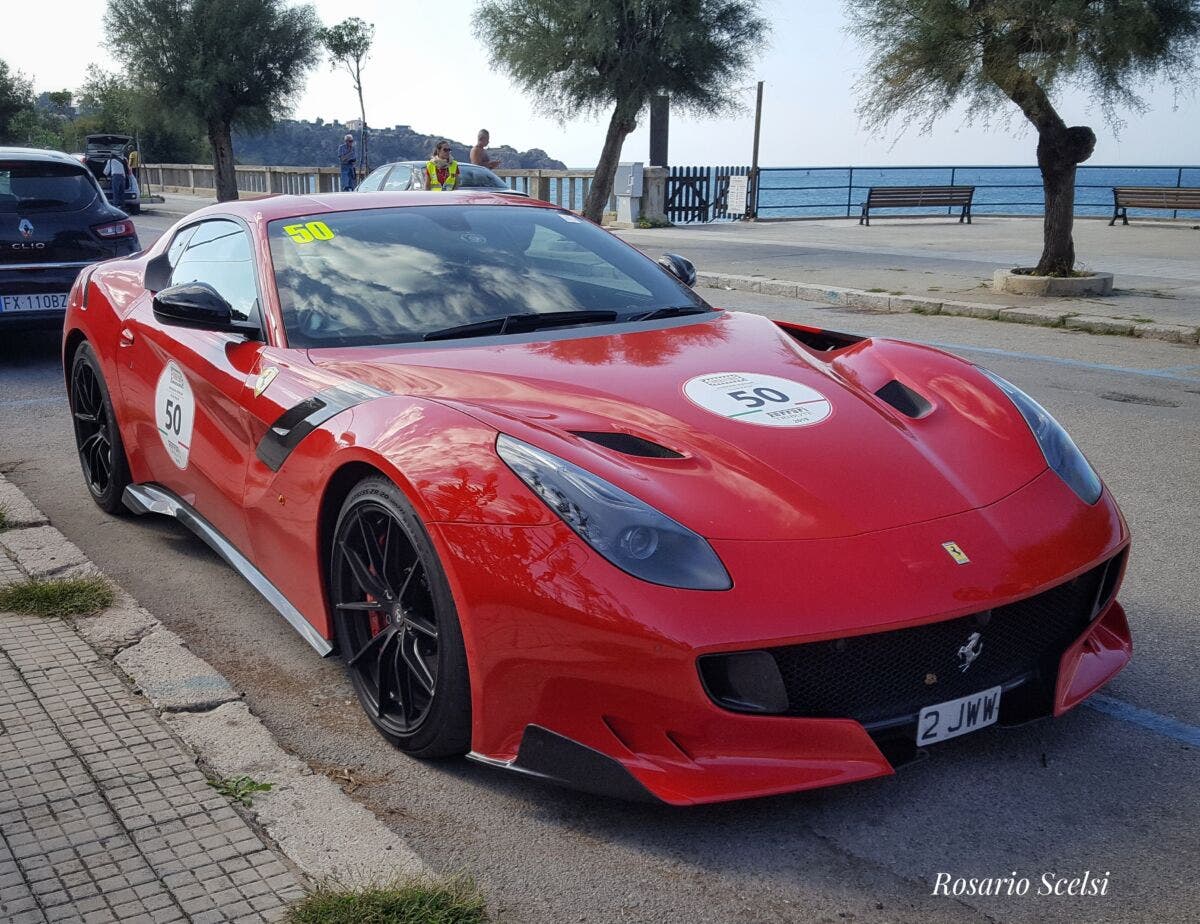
<point>97,436</point>
<point>396,624</point>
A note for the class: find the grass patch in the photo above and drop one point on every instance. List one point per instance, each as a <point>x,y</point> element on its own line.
<point>60,597</point>
<point>647,223</point>
<point>454,901</point>
<point>240,788</point>
<point>876,289</point>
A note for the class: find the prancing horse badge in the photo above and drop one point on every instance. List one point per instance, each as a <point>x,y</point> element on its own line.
<point>956,553</point>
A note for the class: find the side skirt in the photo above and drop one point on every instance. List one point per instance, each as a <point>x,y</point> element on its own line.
<point>150,498</point>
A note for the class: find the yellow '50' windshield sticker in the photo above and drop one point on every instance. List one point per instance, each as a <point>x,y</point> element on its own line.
<point>306,234</point>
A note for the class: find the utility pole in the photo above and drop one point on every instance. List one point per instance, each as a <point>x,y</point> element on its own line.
<point>752,209</point>
<point>660,119</point>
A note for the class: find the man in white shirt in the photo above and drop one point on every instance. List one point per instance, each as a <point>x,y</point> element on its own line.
<point>115,171</point>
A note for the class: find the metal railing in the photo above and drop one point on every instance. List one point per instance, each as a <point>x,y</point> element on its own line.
<point>827,192</point>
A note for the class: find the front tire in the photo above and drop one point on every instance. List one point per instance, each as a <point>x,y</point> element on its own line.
<point>97,437</point>
<point>396,624</point>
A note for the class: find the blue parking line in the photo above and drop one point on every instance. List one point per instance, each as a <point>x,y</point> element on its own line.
<point>1151,721</point>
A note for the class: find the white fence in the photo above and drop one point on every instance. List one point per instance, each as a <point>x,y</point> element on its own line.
<point>566,188</point>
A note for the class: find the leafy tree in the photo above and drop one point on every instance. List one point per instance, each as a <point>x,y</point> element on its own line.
<point>16,95</point>
<point>928,54</point>
<point>348,44</point>
<point>113,103</point>
<point>225,62</point>
<point>587,55</point>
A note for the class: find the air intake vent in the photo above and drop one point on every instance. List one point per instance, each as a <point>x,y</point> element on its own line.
<point>823,341</point>
<point>904,399</point>
<point>628,444</point>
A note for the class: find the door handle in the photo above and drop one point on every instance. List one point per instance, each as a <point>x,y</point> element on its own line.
<point>126,337</point>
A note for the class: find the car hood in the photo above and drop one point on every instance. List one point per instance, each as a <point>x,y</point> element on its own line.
<point>854,462</point>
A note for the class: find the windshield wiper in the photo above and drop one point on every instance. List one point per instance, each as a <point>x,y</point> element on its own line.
<point>519,323</point>
<point>673,311</point>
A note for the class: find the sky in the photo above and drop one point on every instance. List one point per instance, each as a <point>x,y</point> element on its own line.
<point>437,79</point>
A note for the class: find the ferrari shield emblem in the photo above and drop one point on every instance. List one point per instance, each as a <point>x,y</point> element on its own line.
<point>956,553</point>
<point>265,378</point>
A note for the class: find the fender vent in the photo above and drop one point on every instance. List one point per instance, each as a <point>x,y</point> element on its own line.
<point>904,399</point>
<point>628,444</point>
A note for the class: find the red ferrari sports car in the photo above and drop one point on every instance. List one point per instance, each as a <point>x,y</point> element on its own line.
<point>556,512</point>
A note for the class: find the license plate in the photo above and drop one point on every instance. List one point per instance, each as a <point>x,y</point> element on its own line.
<point>958,716</point>
<point>33,302</point>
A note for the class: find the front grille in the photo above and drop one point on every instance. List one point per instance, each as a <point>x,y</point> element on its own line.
<point>888,677</point>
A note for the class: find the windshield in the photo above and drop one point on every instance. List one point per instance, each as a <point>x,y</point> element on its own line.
<point>474,177</point>
<point>398,274</point>
<point>44,187</point>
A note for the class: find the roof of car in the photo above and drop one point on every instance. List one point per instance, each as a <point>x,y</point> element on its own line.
<point>37,154</point>
<point>422,163</point>
<point>270,208</point>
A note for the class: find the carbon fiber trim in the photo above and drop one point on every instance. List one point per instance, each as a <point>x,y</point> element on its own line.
<point>298,421</point>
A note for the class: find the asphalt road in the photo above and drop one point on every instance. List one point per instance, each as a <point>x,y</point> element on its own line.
<point>1111,792</point>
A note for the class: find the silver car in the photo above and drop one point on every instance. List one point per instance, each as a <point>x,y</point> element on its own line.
<point>405,175</point>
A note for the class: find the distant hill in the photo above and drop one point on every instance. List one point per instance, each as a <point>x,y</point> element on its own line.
<point>292,143</point>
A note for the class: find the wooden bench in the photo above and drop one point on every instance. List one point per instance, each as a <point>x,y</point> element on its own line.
<point>1152,197</point>
<point>907,197</point>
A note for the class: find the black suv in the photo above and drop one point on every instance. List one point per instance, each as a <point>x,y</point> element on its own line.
<point>54,220</point>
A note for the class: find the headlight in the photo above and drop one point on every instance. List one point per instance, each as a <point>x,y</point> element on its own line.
<point>629,533</point>
<point>1060,450</point>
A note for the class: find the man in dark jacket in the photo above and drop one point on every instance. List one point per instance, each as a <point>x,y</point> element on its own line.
<point>347,159</point>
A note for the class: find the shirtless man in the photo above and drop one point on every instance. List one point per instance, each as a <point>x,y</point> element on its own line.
<point>479,152</point>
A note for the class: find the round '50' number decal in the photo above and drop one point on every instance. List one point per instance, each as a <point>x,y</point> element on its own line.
<point>174,413</point>
<point>750,397</point>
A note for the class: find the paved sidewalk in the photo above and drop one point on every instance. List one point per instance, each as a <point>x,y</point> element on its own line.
<point>104,815</point>
<point>937,266</point>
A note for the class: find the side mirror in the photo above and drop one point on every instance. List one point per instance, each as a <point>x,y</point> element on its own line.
<point>677,266</point>
<point>197,305</point>
<point>158,274</point>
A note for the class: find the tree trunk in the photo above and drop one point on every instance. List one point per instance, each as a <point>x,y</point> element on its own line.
<point>1058,152</point>
<point>623,121</point>
<point>362,113</point>
<point>224,176</point>
<point>1059,149</point>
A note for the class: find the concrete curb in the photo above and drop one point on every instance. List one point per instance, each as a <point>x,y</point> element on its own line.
<point>319,827</point>
<point>883,302</point>
<point>314,823</point>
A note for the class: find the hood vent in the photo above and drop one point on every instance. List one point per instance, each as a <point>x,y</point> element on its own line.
<point>904,399</point>
<point>628,444</point>
<point>823,341</point>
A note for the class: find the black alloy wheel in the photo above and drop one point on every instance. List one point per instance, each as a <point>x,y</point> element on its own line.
<point>396,624</point>
<point>101,452</point>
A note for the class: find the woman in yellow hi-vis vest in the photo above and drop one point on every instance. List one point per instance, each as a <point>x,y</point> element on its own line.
<point>441,173</point>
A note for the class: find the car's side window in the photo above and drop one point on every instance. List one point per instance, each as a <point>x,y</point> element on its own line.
<point>175,251</point>
<point>398,179</point>
<point>219,253</point>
